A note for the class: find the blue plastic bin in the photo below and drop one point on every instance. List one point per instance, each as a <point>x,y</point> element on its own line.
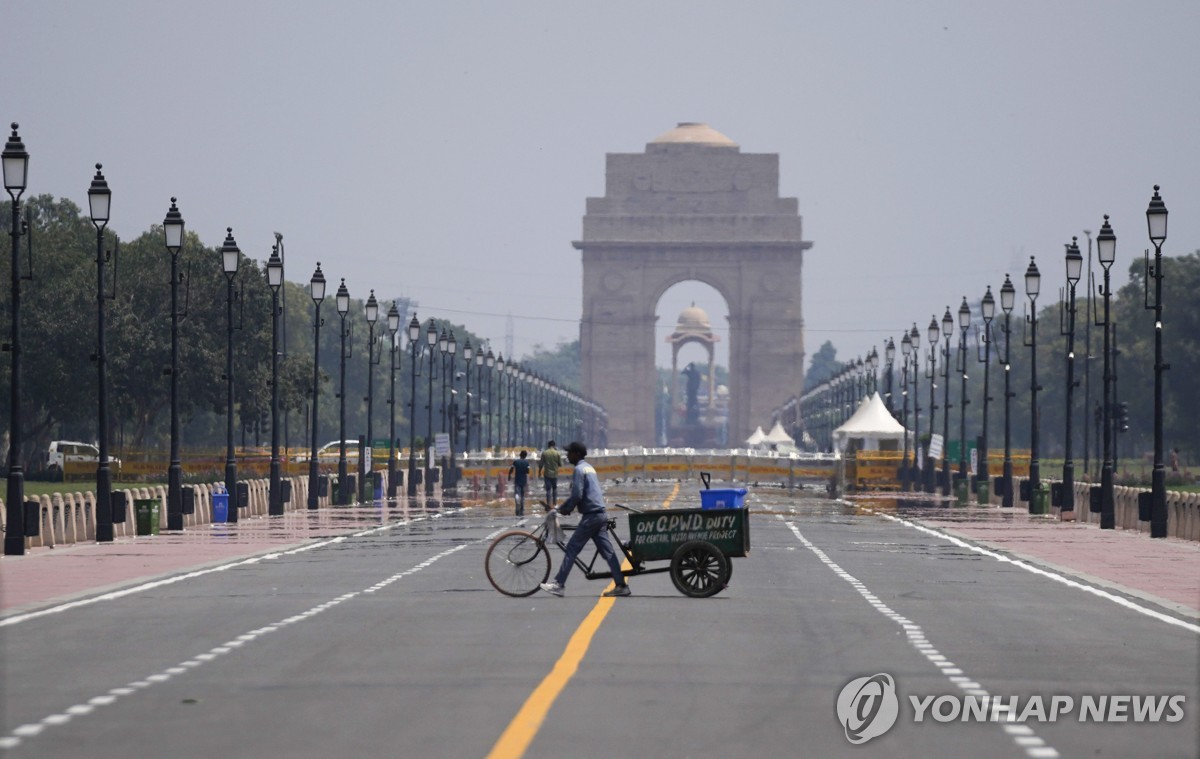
<point>723,498</point>
<point>220,507</point>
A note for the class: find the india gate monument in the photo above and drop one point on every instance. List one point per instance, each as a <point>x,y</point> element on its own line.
<point>692,207</point>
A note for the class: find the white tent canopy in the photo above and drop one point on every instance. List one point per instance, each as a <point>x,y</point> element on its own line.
<point>757,437</point>
<point>869,424</point>
<point>777,435</point>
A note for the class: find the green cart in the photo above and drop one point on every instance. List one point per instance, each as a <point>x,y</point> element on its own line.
<point>697,543</point>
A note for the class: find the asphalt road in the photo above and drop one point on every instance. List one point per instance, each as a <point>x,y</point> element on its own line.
<point>391,642</point>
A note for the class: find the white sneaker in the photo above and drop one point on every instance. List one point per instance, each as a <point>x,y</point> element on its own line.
<point>553,588</point>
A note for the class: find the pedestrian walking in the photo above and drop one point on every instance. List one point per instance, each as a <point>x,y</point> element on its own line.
<point>548,466</point>
<point>587,496</point>
<point>518,471</point>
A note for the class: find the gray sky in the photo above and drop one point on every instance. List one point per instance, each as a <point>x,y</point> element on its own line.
<point>444,150</point>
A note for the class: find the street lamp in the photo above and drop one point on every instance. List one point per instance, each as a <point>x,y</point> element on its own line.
<point>1106,253</point>
<point>513,408</point>
<point>947,331</point>
<point>906,350</point>
<point>934,334</point>
<point>964,323</point>
<point>393,322</point>
<point>366,462</point>
<point>16,169</point>
<point>1033,284</point>
<point>451,412</point>
<point>468,354</point>
<point>431,340</point>
<point>889,354</point>
<point>501,371</point>
<point>173,237</point>
<point>99,202</point>
<point>490,362</point>
<point>275,281</point>
<point>914,337</point>
<point>443,350</point>
<point>1008,300</point>
<point>414,347</point>
<point>987,308</point>
<point>316,288</point>
<point>1156,221</point>
<point>230,257</point>
<point>1074,262</point>
<point>479,362</point>
<point>343,309</point>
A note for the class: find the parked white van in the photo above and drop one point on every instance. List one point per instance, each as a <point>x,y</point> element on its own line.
<point>73,457</point>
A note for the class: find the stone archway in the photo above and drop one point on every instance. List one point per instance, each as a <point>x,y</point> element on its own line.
<point>691,207</point>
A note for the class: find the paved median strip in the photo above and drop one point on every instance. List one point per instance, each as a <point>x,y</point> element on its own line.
<point>1071,583</point>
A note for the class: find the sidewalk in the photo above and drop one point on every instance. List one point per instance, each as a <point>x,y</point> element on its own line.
<point>1165,571</point>
<point>54,575</point>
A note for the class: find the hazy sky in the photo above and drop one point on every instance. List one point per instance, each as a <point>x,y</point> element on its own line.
<point>444,150</point>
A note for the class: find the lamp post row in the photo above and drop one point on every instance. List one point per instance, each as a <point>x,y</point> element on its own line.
<point>825,412</point>
<point>15,161</point>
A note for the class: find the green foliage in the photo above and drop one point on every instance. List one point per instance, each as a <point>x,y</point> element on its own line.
<point>824,364</point>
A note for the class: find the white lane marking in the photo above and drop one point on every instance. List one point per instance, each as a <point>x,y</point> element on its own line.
<point>1044,573</point>
<point>33,729</point>
<point>18,618</point>
<point>1027,741</point>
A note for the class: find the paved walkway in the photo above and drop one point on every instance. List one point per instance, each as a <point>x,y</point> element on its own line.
<point>1165,571</point>
<point>45,575</point>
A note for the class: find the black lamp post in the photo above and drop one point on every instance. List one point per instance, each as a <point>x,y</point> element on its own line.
<point>480,358</point>
<point>431,340</point>
<point>889,354</point>
<point>914,337</point>
<point>443,349</point>
<point>947,331</point>
<point>1106,253</point>
<point>1156,220</point>
<point>934,333</point>
<point>512,401</point>
<point>99,202</point>
<point>16,170</point>
<point>316,288</point>
<point>1008,300</point>
<point>468,354</point>
<point>1033,284</point>
<point>275,281</point>
<point>490,362</point>
<point>501,373</point>
<point>366,462</point>
<point>906,350</point>
<point>1074,272</point>
<point>451,472</point>
<point>988,310</point>
<point>230,258</point>
<point>414,347</point>
<point>173,237</point>
<point>393,321</point>
<point>964,323</point>
<point>343,309</point>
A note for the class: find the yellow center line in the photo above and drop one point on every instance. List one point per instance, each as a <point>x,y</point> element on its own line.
<point>674,492</point>
<point>523,728</point>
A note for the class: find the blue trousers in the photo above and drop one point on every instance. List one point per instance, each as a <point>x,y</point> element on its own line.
<point>591,527</point>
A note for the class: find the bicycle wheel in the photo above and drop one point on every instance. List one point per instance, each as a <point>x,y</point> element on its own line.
<point>699,569</point>
<point>516,563</point>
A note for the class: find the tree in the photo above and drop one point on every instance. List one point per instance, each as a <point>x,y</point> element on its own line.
<point>824,365</point>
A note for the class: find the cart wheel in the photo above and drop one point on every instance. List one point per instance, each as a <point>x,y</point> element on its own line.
<point>699,569</point>
<point>516,563</point>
